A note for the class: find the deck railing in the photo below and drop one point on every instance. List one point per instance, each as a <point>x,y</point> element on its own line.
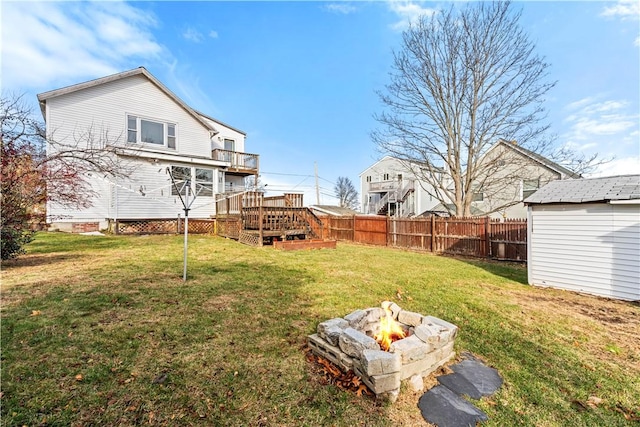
<point>274,218</point>
<point>380,186</point>
<point>240,162</point>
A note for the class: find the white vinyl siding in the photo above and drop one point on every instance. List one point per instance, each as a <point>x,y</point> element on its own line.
<point>104,108</point>
<point>149,194</point>
<point>102,111</point>
<point>592,248</point>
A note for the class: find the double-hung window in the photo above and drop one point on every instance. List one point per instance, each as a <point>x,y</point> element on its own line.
<point>201,186</point>
<point>146,131</point>
<point>204,182</point>
<point>181,177</point>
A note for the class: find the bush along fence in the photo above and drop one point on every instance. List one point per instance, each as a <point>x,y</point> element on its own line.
<point>482,237</point>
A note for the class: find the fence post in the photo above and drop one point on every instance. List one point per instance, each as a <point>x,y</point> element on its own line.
<point>487,236</point>
<point>433,233</point>
<point>260,227</point>
<point>388,229</point>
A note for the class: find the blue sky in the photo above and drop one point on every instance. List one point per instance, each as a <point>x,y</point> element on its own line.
<point>300,77</point>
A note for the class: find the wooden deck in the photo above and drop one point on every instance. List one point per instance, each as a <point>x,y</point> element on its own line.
<point>254,219</point>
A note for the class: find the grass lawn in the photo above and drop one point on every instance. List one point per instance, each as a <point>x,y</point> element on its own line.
<point>103,331</point>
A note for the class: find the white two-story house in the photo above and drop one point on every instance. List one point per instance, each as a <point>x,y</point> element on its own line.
<point>389,187</point>
<point>159,137</point>
<point>509,174</point>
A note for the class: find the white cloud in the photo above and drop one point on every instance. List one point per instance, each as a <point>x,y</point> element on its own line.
<point>50,44</point>
<point>193,35</point>
<point>622,166</point>
<point>408,12</point>
<point>591,118</point>
<point>625,9</point>
<point>343,8</point>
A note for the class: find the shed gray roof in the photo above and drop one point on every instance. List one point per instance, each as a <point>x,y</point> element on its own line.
<point>333,210</point>
<point>623,187</point>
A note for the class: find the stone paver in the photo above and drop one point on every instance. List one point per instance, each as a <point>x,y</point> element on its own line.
<point>484,378</point>
<point>444,406</point>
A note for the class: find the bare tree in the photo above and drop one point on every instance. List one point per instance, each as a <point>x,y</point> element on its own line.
<point>462,80</point>
<point>346,193</point>
<point>37,168</point>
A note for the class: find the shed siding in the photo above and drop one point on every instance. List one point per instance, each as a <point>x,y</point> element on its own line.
<point>592,248</point>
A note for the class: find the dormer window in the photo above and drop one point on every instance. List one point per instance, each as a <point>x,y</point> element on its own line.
<point>147,131</point>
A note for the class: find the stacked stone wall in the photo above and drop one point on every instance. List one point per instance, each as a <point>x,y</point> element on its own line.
<point>349,344</point>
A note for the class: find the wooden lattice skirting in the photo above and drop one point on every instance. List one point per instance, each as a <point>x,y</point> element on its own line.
<point>250,239</point>
<point>161,226</point>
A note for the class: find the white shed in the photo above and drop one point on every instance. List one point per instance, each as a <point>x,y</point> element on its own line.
<point>584,236</point>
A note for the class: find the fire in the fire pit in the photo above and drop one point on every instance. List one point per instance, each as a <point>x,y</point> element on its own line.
<point>385,345</point>
<point>390,331</point>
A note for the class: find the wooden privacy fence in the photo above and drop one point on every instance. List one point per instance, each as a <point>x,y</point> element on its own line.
<point>484,237</point>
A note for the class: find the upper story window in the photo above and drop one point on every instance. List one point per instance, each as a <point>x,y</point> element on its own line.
<point>146,131</point>
<point>368,178</point>
<point>529,186</point>
<point>385,177</point>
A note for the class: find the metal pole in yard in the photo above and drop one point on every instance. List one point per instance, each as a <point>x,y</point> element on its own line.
<point>186,228</point>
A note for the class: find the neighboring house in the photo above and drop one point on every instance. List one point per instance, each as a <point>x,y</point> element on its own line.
<point>158,133</point>
<point>513,173</point>
<point>388,187</point>
<point>584,235</point>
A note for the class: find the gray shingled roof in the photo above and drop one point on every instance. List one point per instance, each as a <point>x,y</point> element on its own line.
<point>334,210</point>
<point>624,187</point>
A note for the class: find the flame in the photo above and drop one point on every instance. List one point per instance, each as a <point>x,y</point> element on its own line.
<point>390,331</point>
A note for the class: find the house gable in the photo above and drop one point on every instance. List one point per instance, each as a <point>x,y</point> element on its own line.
<point>118,110</point>
<point>531,157</point>
<point>140,71</point>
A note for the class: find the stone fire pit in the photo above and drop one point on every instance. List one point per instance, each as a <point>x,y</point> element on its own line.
<point>349,343</point>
